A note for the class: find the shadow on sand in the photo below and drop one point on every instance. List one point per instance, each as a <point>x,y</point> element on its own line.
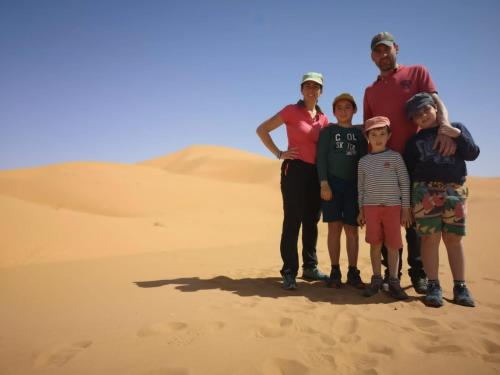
<point>270,287</point>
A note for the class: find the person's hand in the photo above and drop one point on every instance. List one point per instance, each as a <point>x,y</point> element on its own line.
<point>361,219</point>
<point>406,217</point>
<point>291,153</point>
<point>449,131</point>
<point>444,143</point>
<point>326,192</point>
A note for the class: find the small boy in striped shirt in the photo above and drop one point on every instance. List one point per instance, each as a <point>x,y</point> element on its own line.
<point>384,202</point>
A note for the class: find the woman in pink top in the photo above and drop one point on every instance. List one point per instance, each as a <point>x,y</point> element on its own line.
<point>299,179</point>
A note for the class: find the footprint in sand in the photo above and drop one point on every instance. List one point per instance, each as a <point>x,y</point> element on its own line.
<point>427,325</point>
<point>285,322</point>
<point>328,339</point>
<point>380,348</point>
<point>284,366</point>
<point>490,346</point>
<point>277,329</point>
<point>364,363</point>
<point>60,355</point>
<point>160,328</point>
<point>346,327</point>
<point>179,333</point>
<point>324,360</point>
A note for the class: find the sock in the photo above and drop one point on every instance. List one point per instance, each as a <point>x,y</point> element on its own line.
<point>458,282</point>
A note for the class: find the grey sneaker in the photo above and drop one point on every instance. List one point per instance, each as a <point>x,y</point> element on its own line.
<point>461,295</point>
<point>289,282</point>
<point>335,279</point>
<point>419,284</point>
<point>354,279</point>
<point>314,274</point>
<point>374,287</point>
<point>395,290</point>
<point>434,295</point>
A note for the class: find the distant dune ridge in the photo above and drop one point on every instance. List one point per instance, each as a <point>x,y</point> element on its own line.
<point>171,266</point>
<point>220,163</point>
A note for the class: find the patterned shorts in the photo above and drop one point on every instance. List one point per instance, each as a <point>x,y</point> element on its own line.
<point>439,207</point>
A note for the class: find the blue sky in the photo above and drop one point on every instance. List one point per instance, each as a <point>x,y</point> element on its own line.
<point>125,81</point>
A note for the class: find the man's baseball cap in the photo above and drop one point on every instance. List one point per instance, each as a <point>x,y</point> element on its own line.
<point>418,101</point>
<point>345,96</point>
<point>385,38</point>
<point>313,76</point>
<point>376,122</point>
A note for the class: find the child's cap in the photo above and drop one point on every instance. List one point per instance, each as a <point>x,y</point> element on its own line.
<point>385,38</point>
<point>313,76</point>
<point>418,101</point>
<point>345,96</point>
<point>376,122</point>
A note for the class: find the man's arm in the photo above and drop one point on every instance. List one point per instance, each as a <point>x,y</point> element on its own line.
<point>446,145</point>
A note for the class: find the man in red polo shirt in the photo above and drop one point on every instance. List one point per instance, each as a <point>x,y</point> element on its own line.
<point>387,97</point>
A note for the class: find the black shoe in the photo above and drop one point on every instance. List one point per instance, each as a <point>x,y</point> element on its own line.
<point>313,274</point>
<point>461,295</point>
<point>374,287</point>
<point>419,284</point>
<point>354,279</point>
<point>289,282</point>
<point>434,295</point>
<point>335,279</point>
<point>395,290</point>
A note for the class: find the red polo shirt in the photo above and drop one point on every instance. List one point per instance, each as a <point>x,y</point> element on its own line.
<point>387,96</point>
<point>302,130</point>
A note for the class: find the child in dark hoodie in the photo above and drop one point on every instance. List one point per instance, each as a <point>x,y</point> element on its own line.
<point>439,195</point>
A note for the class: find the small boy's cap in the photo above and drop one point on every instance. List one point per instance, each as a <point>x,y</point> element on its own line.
<point>344,96</point>
<point>385,38</point>
<point>418,101</point>
<point>376,122</point>
<point>313,76</point>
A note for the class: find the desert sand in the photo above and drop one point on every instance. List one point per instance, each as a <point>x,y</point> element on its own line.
<point>171,267</point>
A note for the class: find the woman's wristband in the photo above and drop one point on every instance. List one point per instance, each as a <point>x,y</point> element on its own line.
<point>279,154</point>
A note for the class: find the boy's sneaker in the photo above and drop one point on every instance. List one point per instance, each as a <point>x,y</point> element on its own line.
<point>461,295</point>
<point>395,289</point>
<point>354,279</point>
<point>419,284</point>
<point>374,287</point>
<point>313,274</point>
<point>434,295</point>
<point>289,282</point>
<point>335,279</point>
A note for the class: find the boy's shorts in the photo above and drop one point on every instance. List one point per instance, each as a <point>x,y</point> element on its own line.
<point>439,207</point>
<point>383,225</point>
<point>344,204</point>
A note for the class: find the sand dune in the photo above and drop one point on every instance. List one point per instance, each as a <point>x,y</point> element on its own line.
<point>220,163</point>
<point>170,266</point>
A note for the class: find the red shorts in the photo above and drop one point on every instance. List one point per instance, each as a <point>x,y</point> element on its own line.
<point>383,225</point>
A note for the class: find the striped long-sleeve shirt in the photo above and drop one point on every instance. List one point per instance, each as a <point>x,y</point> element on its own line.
<point>383,180</point>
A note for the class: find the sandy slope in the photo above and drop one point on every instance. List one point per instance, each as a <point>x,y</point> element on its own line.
<point>170,267</point>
